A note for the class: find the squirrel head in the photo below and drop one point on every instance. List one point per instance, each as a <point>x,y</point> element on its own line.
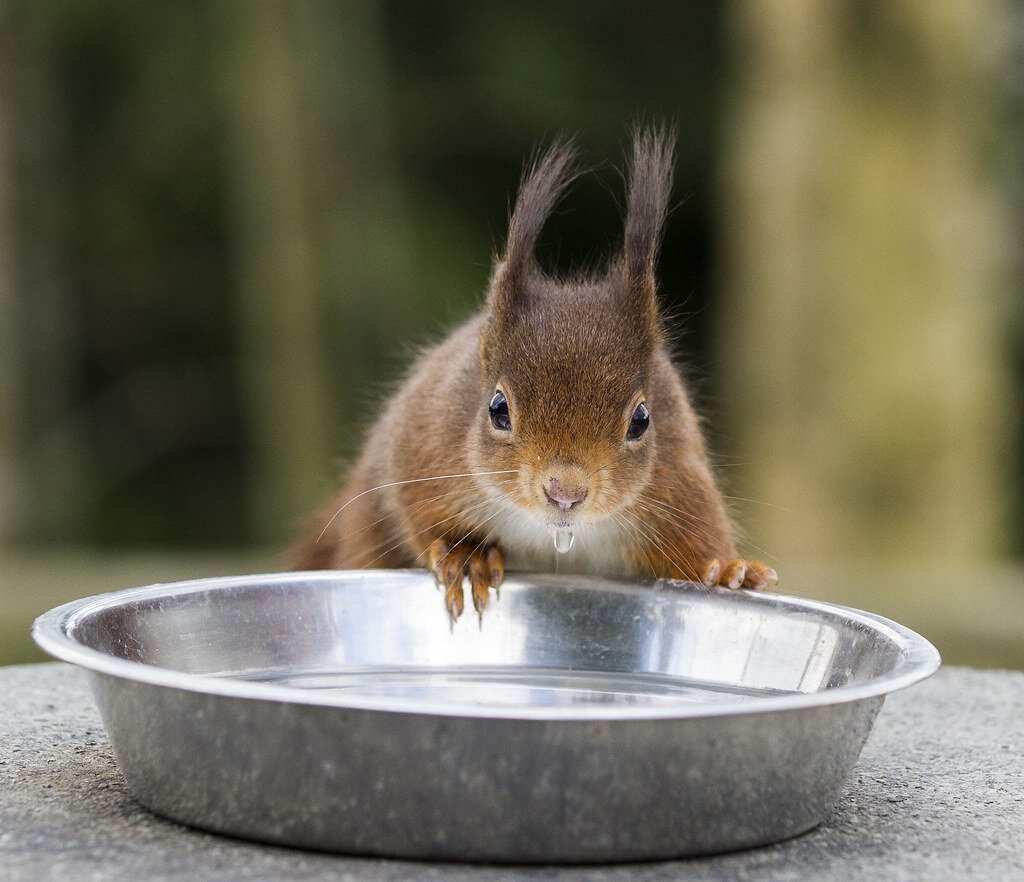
<point>566,397</point>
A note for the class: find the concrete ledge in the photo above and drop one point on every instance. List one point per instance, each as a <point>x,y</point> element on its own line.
<point>938,793</point>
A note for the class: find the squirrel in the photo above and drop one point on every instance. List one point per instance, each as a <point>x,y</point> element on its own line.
<point>555,414</point>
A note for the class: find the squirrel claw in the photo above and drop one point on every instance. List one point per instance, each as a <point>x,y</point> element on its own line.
<point>454,602</point>
<point>760,576</point>
<point>485,569</point>
<point>480,581</point>
<point>737,573</point>
<point>711,571</point>
<point>496,566</point>
<point>733,574</point>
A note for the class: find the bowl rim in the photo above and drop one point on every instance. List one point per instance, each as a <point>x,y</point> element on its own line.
<point>52,633</point>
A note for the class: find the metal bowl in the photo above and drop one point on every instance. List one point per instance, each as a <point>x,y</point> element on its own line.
<point>585,720</point>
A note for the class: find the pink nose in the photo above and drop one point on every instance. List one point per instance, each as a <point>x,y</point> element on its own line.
<point>562,496</point>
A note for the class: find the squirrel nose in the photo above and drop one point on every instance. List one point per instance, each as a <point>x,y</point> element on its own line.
<point>564,497</point>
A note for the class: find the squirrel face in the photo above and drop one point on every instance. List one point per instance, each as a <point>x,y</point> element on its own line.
<point>565,395</point>
<point>564,401</point>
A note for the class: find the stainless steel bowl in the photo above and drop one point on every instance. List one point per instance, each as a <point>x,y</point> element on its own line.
<point>586,720</point>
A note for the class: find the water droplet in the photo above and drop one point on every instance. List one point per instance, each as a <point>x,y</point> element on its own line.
<point>563,540</point>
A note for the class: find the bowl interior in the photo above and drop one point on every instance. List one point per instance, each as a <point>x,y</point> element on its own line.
<point>378,636</point>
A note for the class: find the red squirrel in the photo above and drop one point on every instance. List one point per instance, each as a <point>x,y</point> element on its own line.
<point>555,414</point>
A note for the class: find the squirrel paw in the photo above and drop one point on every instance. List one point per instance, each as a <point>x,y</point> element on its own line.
<point>484,565</point>
<point>754,575</point>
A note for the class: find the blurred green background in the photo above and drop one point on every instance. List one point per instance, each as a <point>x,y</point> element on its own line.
<point>225,226</point>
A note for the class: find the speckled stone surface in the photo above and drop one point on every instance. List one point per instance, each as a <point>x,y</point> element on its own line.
<point>938,793</point>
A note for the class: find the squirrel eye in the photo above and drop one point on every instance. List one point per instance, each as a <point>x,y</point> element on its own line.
<point>639,423</point>
<point>499,412</point>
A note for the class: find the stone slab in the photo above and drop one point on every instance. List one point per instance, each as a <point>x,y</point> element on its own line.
<point>938,793</point>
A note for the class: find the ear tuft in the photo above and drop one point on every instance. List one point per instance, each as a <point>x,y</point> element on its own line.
<point>649,187</point>
<point>542,184</point>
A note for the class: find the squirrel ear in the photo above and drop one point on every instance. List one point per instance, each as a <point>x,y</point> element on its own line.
<point>543,182</point>
<point>649,186</point>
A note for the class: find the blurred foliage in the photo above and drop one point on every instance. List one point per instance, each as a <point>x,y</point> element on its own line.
<point>130,119</point>
<point>225,226</point>
<point>873,244</point>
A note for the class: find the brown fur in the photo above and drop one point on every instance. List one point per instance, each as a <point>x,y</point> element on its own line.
<point>574,359</point>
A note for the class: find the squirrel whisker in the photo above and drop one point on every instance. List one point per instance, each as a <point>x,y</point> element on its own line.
<point>410,481</point>
<point>435,524</point>
<point>654,538</point>
<point>409,509</point>
<point>689,520</point>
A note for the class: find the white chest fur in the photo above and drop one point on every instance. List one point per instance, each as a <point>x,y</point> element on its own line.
<point>598,549</point>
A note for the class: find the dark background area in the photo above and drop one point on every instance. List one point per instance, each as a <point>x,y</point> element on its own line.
<point>123,212</point>
<point>225,228</point>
